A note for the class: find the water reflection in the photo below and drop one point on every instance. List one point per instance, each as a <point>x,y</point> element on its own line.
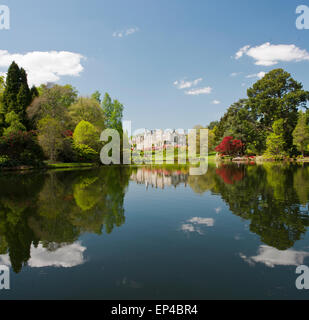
<point>160,178</point>
<point>66,256</point>
<point>43,215</point>
<point>272,197</point>
<point>197,225</point>
<point>272,257</point>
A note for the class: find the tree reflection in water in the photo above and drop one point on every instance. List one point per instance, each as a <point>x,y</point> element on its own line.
<point>55,208</point>
<point>51,210</point>
<point>273,197</point>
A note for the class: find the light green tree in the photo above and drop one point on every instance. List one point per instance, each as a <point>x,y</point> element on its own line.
<point>85,133</point>
<point>50,136</point>
<point>96,96</point>
<point>14,124</point>
<point>301,133</point>
<point>113,111</point>
<point>275,142</point>
<point>53,101</point>
<point>87,109</point>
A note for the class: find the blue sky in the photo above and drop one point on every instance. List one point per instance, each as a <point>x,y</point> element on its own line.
<point>163,41</point>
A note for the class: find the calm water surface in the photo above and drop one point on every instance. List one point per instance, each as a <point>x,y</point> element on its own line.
<point>119,233</point>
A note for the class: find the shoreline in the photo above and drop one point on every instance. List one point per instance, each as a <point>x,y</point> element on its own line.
<point>49,167</point>
<point>95,165</point>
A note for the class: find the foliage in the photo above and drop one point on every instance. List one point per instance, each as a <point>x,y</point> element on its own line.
<point>84,153</point>
<point>211,140</point>
<point>54,102</point>
<point>301,133</point>
<point>240,123</point>
<point>54,112</point>
<point>113,111</point>
<point>230,146</point>
<point>96,96</point>
<point>50,136</point>
<point>275,141</point>
<point>67,154</point>
<point>16,95</point>
<point>85,133</point>
<point>87,109</point>
<point>14,124</point>
<point>21,148</point>
<point>277,96</point>
<point>4,161</point>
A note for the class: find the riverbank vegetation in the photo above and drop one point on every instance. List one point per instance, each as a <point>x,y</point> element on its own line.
<point>51,123</point>
<point>272,121</point>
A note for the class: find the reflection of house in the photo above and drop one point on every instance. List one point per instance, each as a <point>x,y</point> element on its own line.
<point>159,178</point>
<point>158,139</point>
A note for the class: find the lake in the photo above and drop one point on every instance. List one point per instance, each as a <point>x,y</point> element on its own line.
<point>238,232</point>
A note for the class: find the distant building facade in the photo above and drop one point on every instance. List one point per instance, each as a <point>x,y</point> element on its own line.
<point>159,178</point>
<point>159,139</point>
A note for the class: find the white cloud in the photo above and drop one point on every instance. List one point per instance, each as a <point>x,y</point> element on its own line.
<point>259,75</point>
<point>241,52</point>
<point>272,257</point>
<point>268,54</point>
<point>188,228</point>
<point>218,210</point>
<point>216,102</point>
<point>182,84</point>
<point>43,67</point>
<point>192,225</point>
<point>65,257</point>
<point>209,222</point>
<point>124,33</point>
<point>235,74</point>
<point>197,92</point>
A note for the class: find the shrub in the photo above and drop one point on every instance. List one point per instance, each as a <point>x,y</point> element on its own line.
<point>67,153</point>
<point>84,153</point>
<point>86,134</point>
<point>275,141</point>
<point>14,124</point>
<point>21,148</point>
<point>230,147</point>
<point>4,161</point>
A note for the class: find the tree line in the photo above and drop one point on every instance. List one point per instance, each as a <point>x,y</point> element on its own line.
<point>272,120</point>
<point>51,122</point>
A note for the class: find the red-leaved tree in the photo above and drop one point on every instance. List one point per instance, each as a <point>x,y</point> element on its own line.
<point>230,147</point>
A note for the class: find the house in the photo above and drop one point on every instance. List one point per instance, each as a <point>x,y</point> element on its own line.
<point>159,139</point>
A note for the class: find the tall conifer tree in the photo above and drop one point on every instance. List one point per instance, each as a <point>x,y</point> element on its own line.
<point>17,95</point>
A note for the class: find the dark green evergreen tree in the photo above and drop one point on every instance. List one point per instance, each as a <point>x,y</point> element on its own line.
<point>34,92</point>
<point>277,96</point>
<point>17,95</point>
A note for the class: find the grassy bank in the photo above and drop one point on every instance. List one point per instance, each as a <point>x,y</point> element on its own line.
<point>50,166</point>
<point>69,165</point>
